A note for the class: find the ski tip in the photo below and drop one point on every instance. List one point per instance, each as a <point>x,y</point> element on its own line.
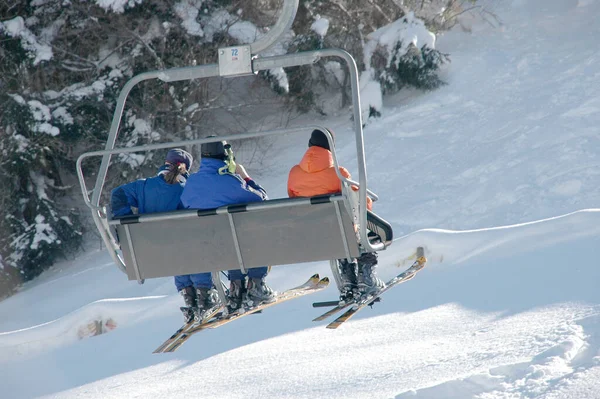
<point>324,280</point>
<point>315,276</point>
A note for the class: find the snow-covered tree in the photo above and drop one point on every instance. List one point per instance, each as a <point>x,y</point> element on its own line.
<point>401,54</point>
<point>392,46</point>
<point>62,67</point>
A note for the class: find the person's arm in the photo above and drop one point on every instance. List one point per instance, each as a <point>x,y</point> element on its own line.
<point>346,174</point>
<point>257,188</point>
<point>122,199</point>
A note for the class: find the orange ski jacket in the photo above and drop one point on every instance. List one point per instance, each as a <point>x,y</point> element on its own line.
<point>315,175</point>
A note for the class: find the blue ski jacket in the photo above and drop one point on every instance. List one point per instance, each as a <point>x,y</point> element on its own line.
<point>149,195</point>
<point>207,189</point>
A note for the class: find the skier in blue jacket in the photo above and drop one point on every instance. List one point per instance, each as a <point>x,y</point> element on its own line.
<point>155,194</point>
<point>219,182</point>
<point>161,193</point>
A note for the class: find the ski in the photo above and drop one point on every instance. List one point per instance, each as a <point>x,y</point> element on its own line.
<point>310,286</point>
<point>173,337</point>
<point>337,306</point>
<point>184,328</point>
<point>370,299</point>
<point>285,296</point>
<point>341,305</point>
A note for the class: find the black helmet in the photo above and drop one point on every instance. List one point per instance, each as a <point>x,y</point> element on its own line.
<point>318,138</point>
<point>213,150</point>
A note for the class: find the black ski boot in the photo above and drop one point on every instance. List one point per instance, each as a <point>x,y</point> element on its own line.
<point>368,282</point>
<point>259,292</point>
<point>348,279</point>
<point>235,296</point>
<point>208,302</point>
<point>189,298</point>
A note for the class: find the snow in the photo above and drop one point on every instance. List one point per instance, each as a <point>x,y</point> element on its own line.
<point>405,32</point>
<point>41,113</point>
<point>43,233</point>
<point>320,26</point>
<point>61,113</point>
<point>370,94</point>
<point>40,186</point>
<point>242,31</point>
<point>496,175</point>
<point>335,68</point>
<point>22,142</point>
<point>188,12</point>
<point>117,6</point>
<point>16,27</point>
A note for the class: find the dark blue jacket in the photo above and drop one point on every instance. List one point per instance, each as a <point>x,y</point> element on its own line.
<point>147,195</point>
<point>207,189</point>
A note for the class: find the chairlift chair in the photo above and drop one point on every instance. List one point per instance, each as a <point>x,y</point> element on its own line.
<point>242,236</point>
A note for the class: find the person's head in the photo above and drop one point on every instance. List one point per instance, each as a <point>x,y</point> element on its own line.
<point>177,156</point>
<point>214,150</point>
<point>318,138</point>
<point>180,162</point>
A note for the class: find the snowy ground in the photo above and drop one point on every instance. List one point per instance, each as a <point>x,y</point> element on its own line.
<point>500,312</point>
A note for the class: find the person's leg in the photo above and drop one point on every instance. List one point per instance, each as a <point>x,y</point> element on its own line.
<point>235,275</point>
<point>182,282</point>
<point>208,299</point>
<point>258,272</point>
<point>348,279</point>
<point>237,289</point>
<point>258,290</point>
<point>188,292</point>
<point>203,280</point>
<point>368,282</point>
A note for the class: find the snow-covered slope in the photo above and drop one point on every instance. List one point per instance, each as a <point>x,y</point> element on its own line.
<point>499,312</point>
<point>505,311</point>
<point>514,135</point>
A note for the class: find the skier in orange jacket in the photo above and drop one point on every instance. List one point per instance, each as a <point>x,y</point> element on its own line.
<point>315,175</point>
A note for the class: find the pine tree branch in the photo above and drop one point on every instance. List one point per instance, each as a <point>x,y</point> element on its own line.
<point>120,46</point>
<point>385,16</point>
<point>77,57</point>
<point>161,64</point>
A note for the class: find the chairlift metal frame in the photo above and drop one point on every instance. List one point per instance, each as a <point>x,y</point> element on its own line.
<point>237,61</point>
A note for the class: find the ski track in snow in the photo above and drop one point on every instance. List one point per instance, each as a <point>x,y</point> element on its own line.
<point>572,357</point>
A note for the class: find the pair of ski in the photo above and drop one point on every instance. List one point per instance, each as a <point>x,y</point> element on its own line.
<point>360,303</point>
<point>218,318</point>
